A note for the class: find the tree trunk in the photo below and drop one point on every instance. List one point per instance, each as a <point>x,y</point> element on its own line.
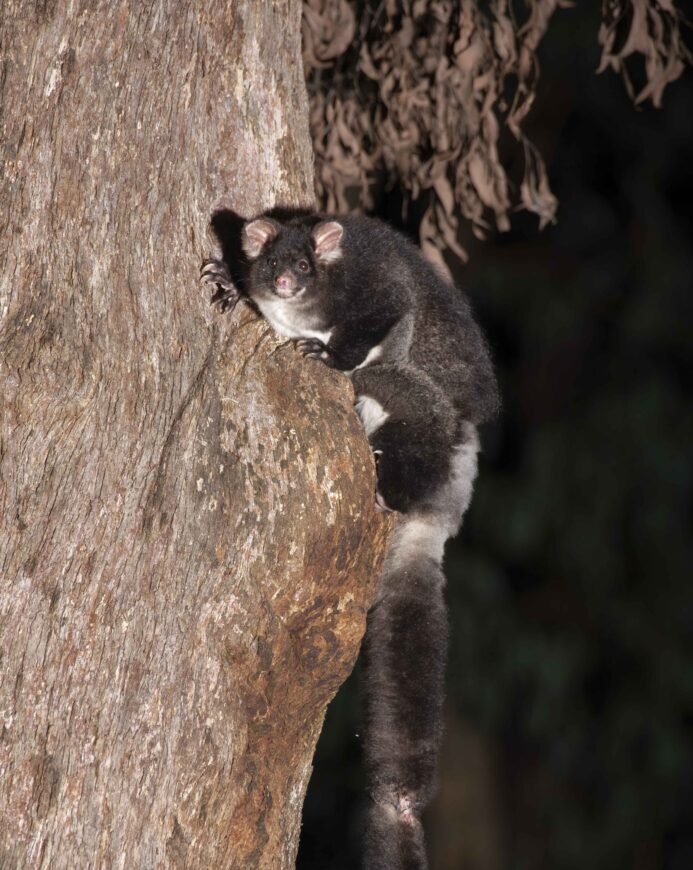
<point>187,542</point>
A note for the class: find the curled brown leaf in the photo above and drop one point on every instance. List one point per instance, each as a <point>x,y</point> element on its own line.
<point>417,92</point>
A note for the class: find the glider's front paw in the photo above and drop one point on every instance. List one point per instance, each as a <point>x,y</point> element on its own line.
<point>315,349</point>
<point>216,274</point>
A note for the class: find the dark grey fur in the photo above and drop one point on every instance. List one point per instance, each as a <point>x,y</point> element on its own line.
<point>361,298</point>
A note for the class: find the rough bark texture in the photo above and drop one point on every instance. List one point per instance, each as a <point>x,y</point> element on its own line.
<point>187,540</point>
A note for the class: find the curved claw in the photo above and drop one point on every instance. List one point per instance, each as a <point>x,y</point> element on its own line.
<point>381,505</point>
<point>215,272</point>
<point>225,300</point>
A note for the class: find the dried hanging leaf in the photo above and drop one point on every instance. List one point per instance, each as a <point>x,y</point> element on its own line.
<point>651,29</point>
<point>328,30</point>
<point>416,92</point>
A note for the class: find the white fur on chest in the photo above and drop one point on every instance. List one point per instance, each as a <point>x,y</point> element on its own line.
<point>287,318</point>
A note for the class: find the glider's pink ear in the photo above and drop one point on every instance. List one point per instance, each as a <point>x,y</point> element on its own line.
<point>328,239</point>
<point>257,234</point>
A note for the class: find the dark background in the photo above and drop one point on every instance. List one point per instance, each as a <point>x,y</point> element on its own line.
<point>570,684</point>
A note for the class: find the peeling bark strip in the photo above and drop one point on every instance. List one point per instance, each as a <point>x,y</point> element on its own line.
<point>187,539</point>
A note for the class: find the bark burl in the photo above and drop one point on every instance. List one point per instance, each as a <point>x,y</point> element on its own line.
<point>188,544</point>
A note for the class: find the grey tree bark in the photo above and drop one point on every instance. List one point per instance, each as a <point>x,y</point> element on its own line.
<point>188,544</point>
